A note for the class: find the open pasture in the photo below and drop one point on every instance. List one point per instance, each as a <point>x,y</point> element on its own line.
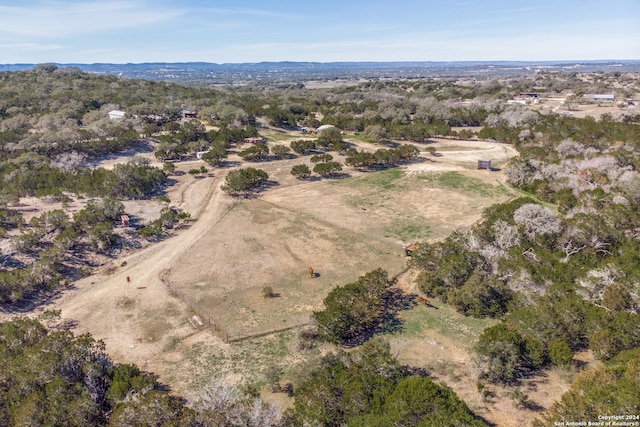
<point>342,228</point>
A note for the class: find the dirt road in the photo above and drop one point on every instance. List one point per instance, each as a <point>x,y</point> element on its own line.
<point>130,316</point>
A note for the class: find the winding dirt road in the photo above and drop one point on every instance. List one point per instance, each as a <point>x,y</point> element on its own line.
<point>129,316</point>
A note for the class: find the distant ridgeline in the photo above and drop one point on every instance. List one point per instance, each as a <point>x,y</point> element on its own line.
<point>302,71</point>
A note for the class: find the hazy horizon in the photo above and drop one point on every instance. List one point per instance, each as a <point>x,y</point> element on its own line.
<point>479,61</point>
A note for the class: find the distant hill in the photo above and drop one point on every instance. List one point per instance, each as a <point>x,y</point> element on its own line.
<point>211,73</point>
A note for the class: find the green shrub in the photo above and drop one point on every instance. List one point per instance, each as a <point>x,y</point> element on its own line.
<point>559,353</point>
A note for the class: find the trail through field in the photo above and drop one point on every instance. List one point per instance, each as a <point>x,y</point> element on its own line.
<point>137,319</point>
<point>142,322</point>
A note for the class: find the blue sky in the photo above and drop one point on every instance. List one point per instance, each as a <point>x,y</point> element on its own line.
<point>120,31</point>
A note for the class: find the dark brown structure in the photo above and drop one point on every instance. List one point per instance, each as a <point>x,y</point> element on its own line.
<point>484,164</point>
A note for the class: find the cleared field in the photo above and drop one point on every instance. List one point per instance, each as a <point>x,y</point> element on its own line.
<point>342,228</point>
<point>261,244</point>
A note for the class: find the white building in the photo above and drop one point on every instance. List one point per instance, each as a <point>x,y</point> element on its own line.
<point>600,97</point>
<point>116,114</point>
<point>325,127</point>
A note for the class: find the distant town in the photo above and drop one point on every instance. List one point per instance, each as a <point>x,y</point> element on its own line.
<point>269,72</point>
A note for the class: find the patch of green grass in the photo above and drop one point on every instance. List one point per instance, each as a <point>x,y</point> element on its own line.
<point>445,321</point>
<point>172,343</point>
<point>462,184</point>
<point>532,196</point>
<point>406,232</point>
<point>282,137</point>
<point>249,359</point>
<point>384,179</point>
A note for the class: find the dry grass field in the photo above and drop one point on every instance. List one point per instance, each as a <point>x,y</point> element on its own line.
<point>342,227</point>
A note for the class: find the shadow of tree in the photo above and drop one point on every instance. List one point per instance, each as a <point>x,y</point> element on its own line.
<point>389,320</point>
<point>396,299</point>
<point>533,406</point>
<point>225,164</point>
<point>337,176</point>
<point>312,178</point>
<point>265,185</point>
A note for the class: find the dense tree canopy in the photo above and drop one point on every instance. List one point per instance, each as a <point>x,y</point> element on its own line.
<point>370,388</point>
<point>612,390</point>
<point>241,181</point>
<point>51,377</point>
<point>354,310</point>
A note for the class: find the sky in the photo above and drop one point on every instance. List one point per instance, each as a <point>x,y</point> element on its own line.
<point>225,31</point>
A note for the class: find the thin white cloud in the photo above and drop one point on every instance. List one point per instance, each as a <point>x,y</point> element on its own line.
<point>443,46</point>
<point>63,19</point>
<point>254,12</point>
<point>31,46</point>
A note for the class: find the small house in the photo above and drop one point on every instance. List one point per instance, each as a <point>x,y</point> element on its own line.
<point>325,127</point>
<point>188,114</point>
<point>600,97</point>
<point>116,114</point>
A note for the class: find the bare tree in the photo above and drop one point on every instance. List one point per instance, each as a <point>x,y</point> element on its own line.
<point>224,405</point>
<point>520,172</point>
<point>505,235</point>
<point>517,115</point>
<point>593,284</point>
<point>570,148</point>
<point>537,220</point>
<point>70,161</point>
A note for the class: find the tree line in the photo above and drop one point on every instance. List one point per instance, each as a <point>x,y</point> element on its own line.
<point>50,376</point>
